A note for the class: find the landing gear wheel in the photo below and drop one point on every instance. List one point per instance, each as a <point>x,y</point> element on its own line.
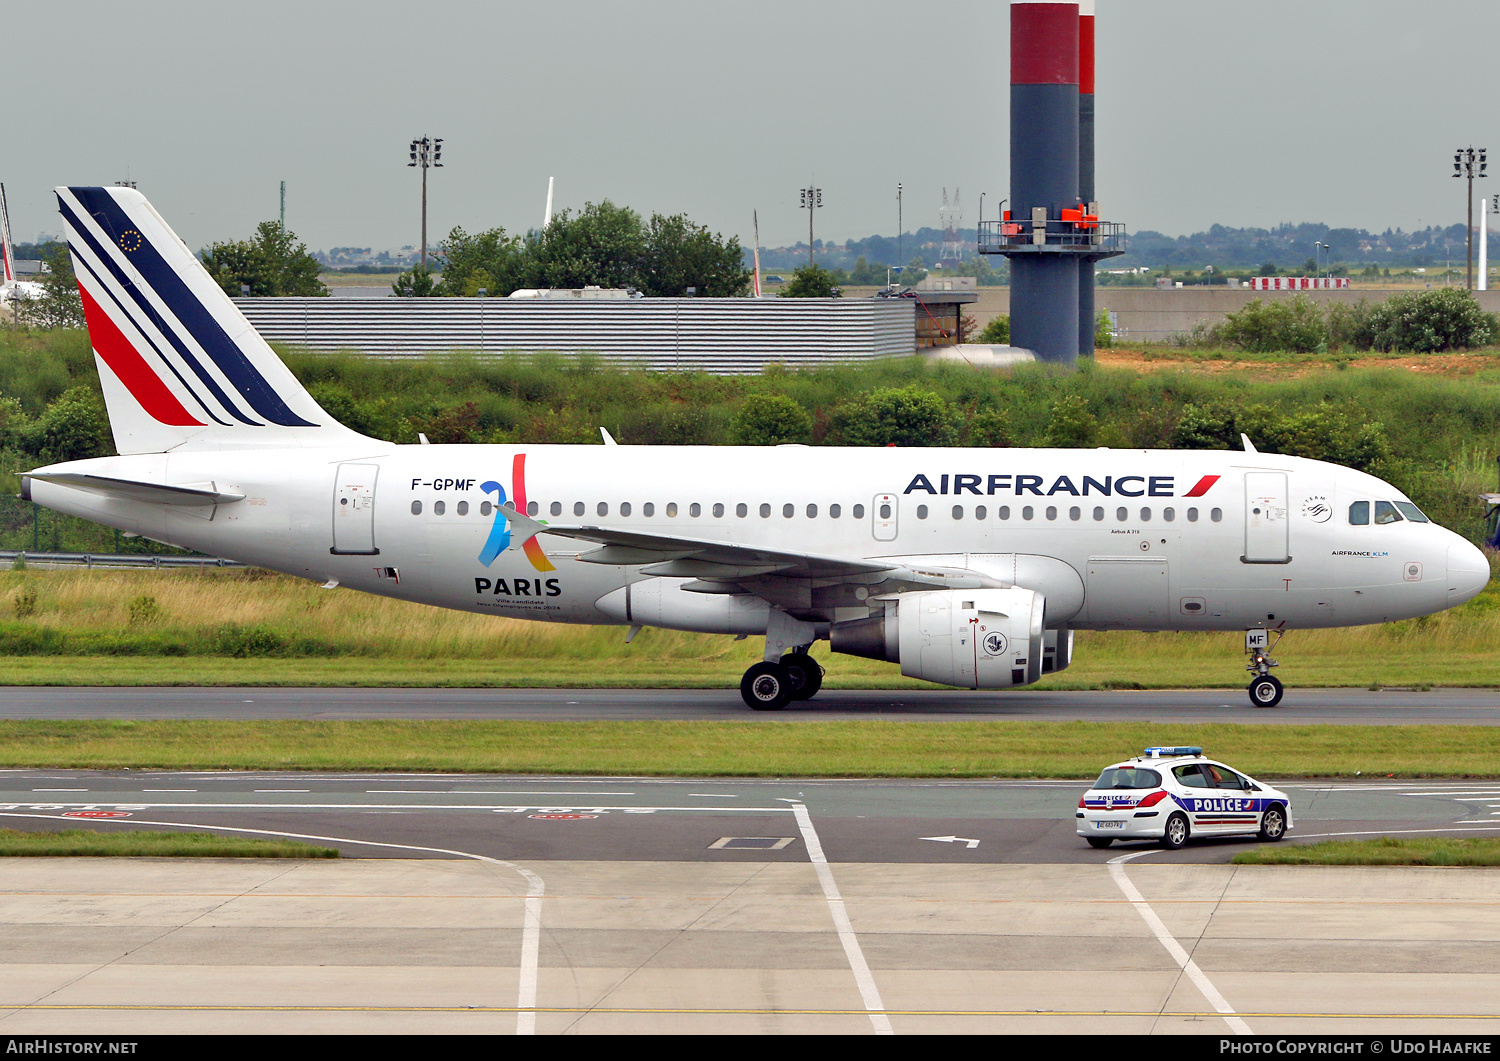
<point>1177,832</point>
<point>1265,691</point>
<point>804,673</point>
<point>1100,842</point>
<point>766,687</point>
<point>1273,824</point>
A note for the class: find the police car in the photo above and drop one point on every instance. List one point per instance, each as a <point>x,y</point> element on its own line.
<point>1170,794</point>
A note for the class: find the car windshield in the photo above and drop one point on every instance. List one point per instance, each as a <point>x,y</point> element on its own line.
<point>1128,777</point>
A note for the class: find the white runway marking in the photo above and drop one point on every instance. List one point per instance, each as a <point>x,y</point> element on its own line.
<point>531,929</point>
<point>1166,939</point>
<point>867,989</point>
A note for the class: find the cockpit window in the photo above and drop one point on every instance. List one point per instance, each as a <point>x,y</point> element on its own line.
<point>1412,512</point>
<point>1385,512</point>
<point>1359,514</point>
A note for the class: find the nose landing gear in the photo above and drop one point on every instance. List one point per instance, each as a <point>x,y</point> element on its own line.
<point>1265,691</point>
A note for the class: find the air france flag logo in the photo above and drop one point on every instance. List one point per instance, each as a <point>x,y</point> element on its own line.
<point>499,539</point>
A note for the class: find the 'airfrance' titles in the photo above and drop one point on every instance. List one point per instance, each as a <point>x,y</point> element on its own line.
<point>1017,485</point>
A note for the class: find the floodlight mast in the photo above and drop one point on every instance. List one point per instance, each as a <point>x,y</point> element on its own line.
<point>812,198</point>
<point>426,152</point>
<point>1470,163</point>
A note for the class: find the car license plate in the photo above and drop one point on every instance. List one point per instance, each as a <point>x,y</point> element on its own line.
<point>1109,825</point>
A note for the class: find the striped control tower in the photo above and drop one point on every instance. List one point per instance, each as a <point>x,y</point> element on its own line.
<point>1052,233</point>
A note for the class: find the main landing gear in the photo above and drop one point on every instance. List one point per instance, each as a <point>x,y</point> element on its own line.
<point>771,685</point>
<point>1265,691</point>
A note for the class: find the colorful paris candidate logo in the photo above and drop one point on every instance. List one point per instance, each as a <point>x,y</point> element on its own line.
<point>499,539</point>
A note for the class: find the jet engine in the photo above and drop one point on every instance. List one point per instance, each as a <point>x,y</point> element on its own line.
<point>974,638</point>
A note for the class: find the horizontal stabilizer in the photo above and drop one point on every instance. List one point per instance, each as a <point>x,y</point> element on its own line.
<point>191,494</point>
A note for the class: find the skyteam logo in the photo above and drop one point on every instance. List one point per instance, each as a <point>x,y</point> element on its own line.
<point>499,539</point>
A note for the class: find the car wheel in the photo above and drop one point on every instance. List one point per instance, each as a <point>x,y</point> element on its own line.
<point>1100,842</point>
<point>1177,832</point>
<point>1273,824</point>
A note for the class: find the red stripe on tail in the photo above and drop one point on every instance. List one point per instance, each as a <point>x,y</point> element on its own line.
<point>125,361</point>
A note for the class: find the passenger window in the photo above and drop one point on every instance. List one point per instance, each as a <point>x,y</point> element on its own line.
<point>1192,515</point>
<point>765,511</point>
<point>671,509</point>
<point>532,508</point>
<point>603,509</point>
<point>1122,514</point>
<point>885,511</point>
<point>980,512</point>
<point>648,509</point>
<point>958,512</point>
<point>1027,512</point>
<point>579,508</point>
<point>1359,514</point>
<point>1075,513</point>
<point>1003,512</point>
<point>485,508</point>
<point>741,510</point>
<point>624,508</point>
<point>718,510</point>
<point>1169,514</point>
<point>1145,515</point>
<point>438,508</point>
<point>921,511</point>
<point>556,509</point>
<point>834,511</point>
<point>463,508</point>
<point>416,508</point>
<point>1216,514</point>
<point>787,511</point>
<point>1051,511</point>
<point>812,511</point>
<point>859,511</point>
<point>1385,512</point>
<point>1098,514</point>
<point>1192,777</point>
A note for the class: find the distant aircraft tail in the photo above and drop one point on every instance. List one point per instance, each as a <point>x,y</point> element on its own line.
<point>180,365</point>
<point>5,248</point>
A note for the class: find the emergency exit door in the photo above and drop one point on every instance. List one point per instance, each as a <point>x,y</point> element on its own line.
<point>354,510</point>
<point>883,517</point>
<point>1265,518</point>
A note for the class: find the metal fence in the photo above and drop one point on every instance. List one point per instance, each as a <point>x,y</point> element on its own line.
<point>727,336</point>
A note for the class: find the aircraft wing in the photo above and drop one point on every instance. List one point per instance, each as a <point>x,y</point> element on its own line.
<point>681,557</point>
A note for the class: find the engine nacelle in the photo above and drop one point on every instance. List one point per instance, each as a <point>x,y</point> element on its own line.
<point>973,638</point>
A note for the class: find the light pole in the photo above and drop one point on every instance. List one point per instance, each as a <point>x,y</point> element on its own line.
<point>1318,256</point>
<point>1465,161</point>
<point>900,258</point>
<point>812,198</point>
<point>427,153</point>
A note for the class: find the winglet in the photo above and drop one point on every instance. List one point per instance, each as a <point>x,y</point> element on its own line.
<point>609,440</point>
<point>1249,446</point>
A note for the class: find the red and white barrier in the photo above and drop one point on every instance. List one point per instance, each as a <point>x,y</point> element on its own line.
<point>1298,283</point>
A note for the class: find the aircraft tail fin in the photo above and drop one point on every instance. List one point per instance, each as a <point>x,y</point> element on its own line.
<point>180,366</point>
<point>6,253</point>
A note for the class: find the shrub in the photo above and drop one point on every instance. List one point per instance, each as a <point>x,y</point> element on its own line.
<point>991,427</point>
<point>997,331</point>
<point>769,420</point>
<point>904,416</point>
<point>23,600</point>
<point>1427,321</point>
<point>811,281</point>
<point>144,609</point>
<point>73,427</point>
<point>1073,424</point>
<point>1104,329</point>
<point>1294,324</point>
<point>242,642</point>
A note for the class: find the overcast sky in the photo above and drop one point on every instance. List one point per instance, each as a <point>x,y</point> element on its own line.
<point>1242,112</point>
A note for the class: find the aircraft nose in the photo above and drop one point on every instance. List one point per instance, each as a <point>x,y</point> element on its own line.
<point>1468,572</point>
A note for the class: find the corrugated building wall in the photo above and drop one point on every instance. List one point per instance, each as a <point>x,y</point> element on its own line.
<point>720,335</point>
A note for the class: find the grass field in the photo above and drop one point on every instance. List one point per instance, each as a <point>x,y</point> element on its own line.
<point>868,748</point>
<point>85,842</point>
<point>1385,851</point>
<point>254,628</point>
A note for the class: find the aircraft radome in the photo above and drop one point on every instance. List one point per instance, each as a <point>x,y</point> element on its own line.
<point>968,567</point>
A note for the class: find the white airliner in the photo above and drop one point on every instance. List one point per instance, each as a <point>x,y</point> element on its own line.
<point>969,567</point>
<point>11,289</point>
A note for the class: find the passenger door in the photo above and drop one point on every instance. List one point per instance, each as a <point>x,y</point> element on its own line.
<point>883,514</point>
<point>354,510</point>
<point>1266,518</point>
